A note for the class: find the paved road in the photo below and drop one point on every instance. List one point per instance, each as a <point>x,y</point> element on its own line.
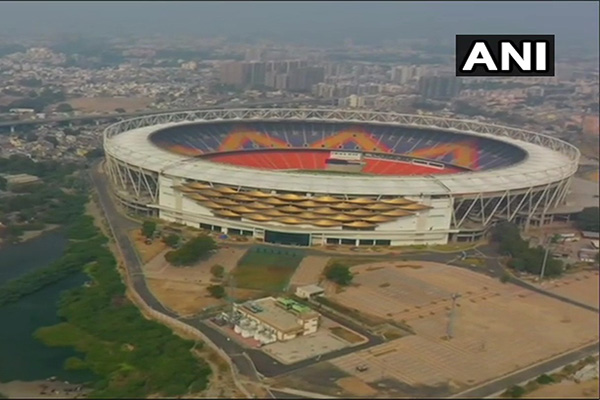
<point>270,367</point>
<point>488,253</point>
<point>276,394</point>
<point>263,363</point>
<point>530,373</point>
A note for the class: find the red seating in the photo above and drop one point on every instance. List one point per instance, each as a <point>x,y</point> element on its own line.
<point>315,160</point>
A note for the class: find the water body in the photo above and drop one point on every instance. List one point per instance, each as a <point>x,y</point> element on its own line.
<point>22,357</point>
<point>18,259</point>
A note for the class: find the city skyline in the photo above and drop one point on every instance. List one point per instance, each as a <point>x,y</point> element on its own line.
<point>574,23</point>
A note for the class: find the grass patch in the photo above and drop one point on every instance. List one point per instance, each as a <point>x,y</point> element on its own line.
<point>268,271</point>
<point>478,262</point>
<point>353,261</point>
<point>346,335</point>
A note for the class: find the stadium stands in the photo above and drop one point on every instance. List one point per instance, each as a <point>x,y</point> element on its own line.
<point>462,151</point>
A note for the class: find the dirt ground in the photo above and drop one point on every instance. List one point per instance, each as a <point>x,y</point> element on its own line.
<point>37,390</point>
<point>497,328</point>
<point>356,386</point>
<point>309,271</point>
<point>109,104</point>
<point>185,298</point>
<point>567,390</point>
<point>581,286</point>
<point>183,289</point>
<point>146,251</point>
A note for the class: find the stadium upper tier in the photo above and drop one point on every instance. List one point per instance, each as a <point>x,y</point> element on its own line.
<point>452,149</point>
<point>533,162</point>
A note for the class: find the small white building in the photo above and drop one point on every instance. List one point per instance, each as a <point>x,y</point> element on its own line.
<point>309,291</point>
<point>282,318</point>
<point>20,180</point>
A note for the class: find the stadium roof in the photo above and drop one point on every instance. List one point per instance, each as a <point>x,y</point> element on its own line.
<point>542,166</point>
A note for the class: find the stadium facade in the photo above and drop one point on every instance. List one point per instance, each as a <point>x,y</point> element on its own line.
<point>318,176</point>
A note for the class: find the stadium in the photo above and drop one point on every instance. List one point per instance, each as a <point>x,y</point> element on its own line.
<point>320,176</point>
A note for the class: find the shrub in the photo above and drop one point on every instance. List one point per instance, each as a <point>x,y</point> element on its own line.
<point>216,291</point>
<point>515,392</point>
<point>339,274</point>
<point>544,379</point>
<point>148,228</point>
<point>191,251</point>
<point>172,240</point>
<point>218,271</point>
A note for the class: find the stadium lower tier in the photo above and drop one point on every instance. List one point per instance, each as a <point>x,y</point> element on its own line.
<point>316,160</point>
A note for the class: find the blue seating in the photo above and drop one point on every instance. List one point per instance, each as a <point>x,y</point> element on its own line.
<point>447,147</point>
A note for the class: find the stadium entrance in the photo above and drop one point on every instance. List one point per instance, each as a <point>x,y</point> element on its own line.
<point>295,239</point>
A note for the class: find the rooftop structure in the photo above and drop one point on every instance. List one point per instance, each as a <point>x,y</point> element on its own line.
<point>286,318</point>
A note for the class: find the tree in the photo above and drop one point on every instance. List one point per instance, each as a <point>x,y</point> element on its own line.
<point>2,183</point>
<point>120,110</point>
<point>216,291</point>
<point>515,392</point>
<point>64,107</point>
<point>172,240</point>
<point>218,271</point>
<point>588,219</point>
<point>191,251</point>
<point>339,274</point>
<point>148,228</point>
<point>523,257</point>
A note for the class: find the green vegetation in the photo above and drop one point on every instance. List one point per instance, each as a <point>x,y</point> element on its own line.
<point>59,199</point>
<point>544,379</point>
<point>172,240</point>
<point>38,101</point>
<point>477,262</point>
<point>64,107</point>
<point>339,274</point>
<point>85,247</point>
<point>133,357</point>
<point>514,392</point>
<point>218,271</point>
<point>523,257</point>
<point>268,269</point>
<point>589,219</point>
<point>148,228</point>
<point>192,251</point>
<point>216,291</point>
<point>353,261</point>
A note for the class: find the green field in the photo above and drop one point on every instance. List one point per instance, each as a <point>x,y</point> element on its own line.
<point>265,268</point>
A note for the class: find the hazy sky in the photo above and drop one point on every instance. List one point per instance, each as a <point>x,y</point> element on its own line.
<point>317,21</point>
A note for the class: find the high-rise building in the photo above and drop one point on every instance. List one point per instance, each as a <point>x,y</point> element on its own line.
<point>403,74</point>
<point>443,87</point>
<point>243,74</point>
<point>302,79</point>
<point>232,73</point>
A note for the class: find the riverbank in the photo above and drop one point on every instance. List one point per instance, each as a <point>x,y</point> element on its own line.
<point>30,235</point>
<point>42,390</point>
<point>30,360</point>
